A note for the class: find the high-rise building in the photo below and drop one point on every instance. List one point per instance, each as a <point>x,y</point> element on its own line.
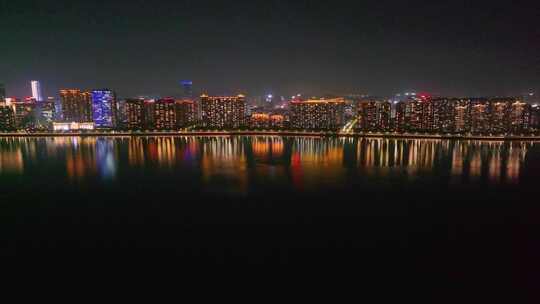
<point>323,114</point>
<point>165,114</point>
<point>414,116</point>
<point>499,112</point>
<point>186,113</point>
<point>428,114</point>
<point>36,90</point>
<point>7,118</point>
<point>149,114</point>
<point>76,106</point>
<point>104,108</point>
<point>187,89</point>
<point>2,93</point>
<point>224,111</point>
<point>375,115</point>
<point>135,111</point>
<point>462,110</point>
<point>443,115</point>
<point>480,116</point>
<point>25,113</point>
<point>520,117</point>
<point>399,119</point>
<point>46,112</point>
<point>535,116</point>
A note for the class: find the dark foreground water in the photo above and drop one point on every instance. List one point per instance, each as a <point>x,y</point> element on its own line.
<point>445,217</point>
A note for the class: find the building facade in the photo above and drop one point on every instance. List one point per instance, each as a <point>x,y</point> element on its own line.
<point>76,106</point>
<point>224,111</point>
<point>186,113</point>
<point>135,118</point>
<point>165,114</point>
<point>104,108</point>
<point>318,114</point>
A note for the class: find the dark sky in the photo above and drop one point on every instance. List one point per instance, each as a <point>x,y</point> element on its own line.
<point>316,47</point>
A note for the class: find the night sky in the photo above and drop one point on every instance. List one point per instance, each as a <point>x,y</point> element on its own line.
<point>283,47</point>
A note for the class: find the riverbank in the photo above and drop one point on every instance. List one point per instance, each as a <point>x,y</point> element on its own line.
<point>271,133</point>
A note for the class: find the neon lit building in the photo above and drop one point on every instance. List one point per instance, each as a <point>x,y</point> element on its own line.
<point>104,108</point>
<point>36,90</point>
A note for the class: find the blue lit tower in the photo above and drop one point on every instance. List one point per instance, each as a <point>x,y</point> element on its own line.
<point>187,86</point>
<point>104,108</point>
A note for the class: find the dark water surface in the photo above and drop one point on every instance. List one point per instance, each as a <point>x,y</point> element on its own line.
<point>439,214</point>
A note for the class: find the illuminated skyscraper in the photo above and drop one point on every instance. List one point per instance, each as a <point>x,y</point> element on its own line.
<point>186,113</point>
<point>480,123</point>
<point>462,110</point>
<point>135,114</point>
<point>76,106</point>
<point>46,113</point>
<point>443,115</point>
<point>149,114</point>
<point>36,90</point>
<point>104,108</point>
<point>25,113</point>
<point>414,116</point>
<point>7,118</point>
<point>165,114</point>
<point>520,117</point>
<point>535,116</point>
<point>374,115</point>
<point>187,87</point>
<point>323,114</point>
<point>223,112</point>
<point>500,110</point>
<point>399,119</point>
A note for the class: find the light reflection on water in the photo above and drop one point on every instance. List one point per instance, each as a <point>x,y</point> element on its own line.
<point>238,162</point>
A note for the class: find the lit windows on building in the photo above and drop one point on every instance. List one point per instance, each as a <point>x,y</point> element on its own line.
<point>134,109</point>
<point>76,105</point>
<point>323,114</point>
<point>480,114</point>
<point>520,117</point>
<point>25,114</point>
<point>535,116</point>
<point>374,115</point>
<point>73,126</point>
<point>462,108</point>
<point>104,108</point>
<point>443,115</point>
<point>223,111</point>
<point>165,114</point>
<point>7,118</point>
<point>499,118</point>
<point>277,121</point>
<point>259,120</point>
<point>186,113</point>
